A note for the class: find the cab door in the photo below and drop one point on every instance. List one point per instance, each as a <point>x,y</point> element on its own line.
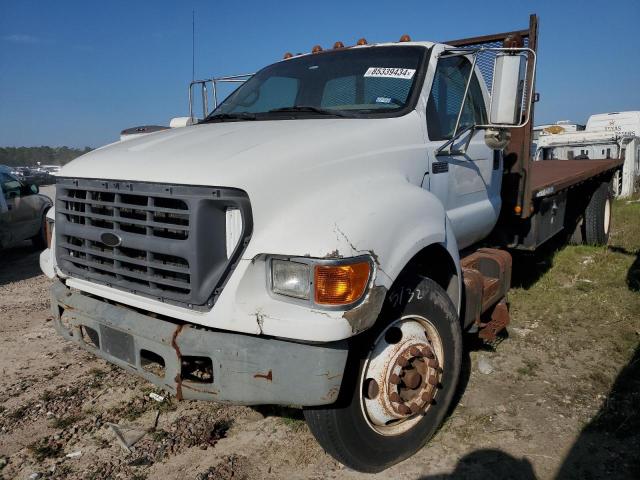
<point>468,183</point>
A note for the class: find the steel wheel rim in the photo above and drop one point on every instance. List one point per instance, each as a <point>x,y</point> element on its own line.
<point>393,397</point>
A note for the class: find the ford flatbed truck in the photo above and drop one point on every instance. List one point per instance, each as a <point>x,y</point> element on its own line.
<point>323,237</point>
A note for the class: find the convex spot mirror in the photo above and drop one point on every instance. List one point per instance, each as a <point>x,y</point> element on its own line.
<point>508,89</point>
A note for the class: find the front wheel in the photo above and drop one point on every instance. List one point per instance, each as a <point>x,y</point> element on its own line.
<point>399,381</point>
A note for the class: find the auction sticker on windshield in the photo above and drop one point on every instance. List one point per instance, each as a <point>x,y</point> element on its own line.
<point>386,72</point>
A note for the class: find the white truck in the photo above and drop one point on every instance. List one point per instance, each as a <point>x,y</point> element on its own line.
<point>323,237</point>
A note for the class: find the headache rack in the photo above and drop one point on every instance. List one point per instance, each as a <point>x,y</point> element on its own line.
<point>168,242</point>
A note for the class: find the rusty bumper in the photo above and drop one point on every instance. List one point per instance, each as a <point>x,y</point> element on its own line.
<point>197,363</point>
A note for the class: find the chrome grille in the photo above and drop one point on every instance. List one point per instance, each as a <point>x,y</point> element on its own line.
<point>171,237</point>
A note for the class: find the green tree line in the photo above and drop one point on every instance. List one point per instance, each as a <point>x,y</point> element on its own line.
<point>30,156</point>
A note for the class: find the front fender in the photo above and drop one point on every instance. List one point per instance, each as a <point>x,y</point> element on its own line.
<point>388,217</point>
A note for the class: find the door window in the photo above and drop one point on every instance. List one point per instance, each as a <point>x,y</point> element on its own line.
<point>446,97</point>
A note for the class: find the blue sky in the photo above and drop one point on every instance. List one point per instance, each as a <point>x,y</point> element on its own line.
<point>77,72</point>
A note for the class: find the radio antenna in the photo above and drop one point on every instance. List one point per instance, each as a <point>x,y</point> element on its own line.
<point>193,45</point>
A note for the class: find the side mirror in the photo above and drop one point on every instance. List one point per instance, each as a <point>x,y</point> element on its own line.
<point>507,90</point>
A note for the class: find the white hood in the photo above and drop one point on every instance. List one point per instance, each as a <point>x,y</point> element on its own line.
<point>237,154</point>
<point>318,170</point>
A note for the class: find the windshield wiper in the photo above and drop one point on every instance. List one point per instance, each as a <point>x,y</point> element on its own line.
<point>229,116</point>
<point>310,108</point>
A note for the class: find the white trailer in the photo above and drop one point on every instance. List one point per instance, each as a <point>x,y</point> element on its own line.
<point>607,135</point>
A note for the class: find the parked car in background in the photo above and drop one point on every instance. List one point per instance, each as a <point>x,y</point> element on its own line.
<point>22,211</point>
<point>35,175</point>
<point>51,169</point>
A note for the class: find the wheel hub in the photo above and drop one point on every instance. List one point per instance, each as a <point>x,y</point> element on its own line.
<point>402,375</point>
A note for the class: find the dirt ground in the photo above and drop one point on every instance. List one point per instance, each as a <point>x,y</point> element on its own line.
<point>562,398</point>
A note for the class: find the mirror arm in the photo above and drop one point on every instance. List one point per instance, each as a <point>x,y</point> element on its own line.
<point>449,143</point>
<point>457,134</point>
<point>466,92</point>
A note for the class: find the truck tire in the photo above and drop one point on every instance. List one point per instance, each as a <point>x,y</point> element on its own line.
<point>399,380</point>
<point>597,216</point>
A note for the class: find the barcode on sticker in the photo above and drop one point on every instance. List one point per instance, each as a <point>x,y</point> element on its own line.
<point>388,72</point>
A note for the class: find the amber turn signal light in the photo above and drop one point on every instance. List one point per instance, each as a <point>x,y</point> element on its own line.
<point>341,284</point>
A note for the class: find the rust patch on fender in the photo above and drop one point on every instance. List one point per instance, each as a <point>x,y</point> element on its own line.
<point>268,376</point>
<point>365,314</point>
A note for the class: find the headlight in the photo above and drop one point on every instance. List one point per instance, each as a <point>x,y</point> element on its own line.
<point>290,278</point>
<point>327,283</point>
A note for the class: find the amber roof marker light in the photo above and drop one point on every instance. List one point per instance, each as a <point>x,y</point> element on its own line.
<point>338,45</point>
<point>405,38</point>
<point>316,49</point>
<point>287,55</point>
<point>362,41</point>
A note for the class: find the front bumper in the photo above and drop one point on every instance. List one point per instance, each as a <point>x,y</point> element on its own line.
<point>244,369</point>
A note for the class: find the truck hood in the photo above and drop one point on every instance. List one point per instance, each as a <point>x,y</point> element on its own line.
<point>311,175</point>
<point>238,154</point>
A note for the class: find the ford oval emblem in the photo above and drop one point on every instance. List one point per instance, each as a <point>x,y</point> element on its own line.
<point>110,239</point>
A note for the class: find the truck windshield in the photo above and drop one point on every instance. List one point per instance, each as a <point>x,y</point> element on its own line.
<point>373,81</point>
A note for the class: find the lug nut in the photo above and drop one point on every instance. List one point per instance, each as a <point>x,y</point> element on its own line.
<point>427,397</point>
<point>432,362</point>
<point>403,362</point>
<point>395,397</point>
<point>414,408</point>
<point>394,379</point>
<point>415,351</point>
<point>403,409</point>
<point>433,380</point>
<point>427,352</point>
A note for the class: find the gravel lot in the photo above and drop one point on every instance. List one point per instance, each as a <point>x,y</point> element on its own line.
<point>561,399</point>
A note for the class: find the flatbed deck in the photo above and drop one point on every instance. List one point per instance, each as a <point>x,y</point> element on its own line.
<point>560,174</point>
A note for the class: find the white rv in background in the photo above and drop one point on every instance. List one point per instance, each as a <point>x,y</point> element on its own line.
<point>607,135</point>
<point>561,126</point>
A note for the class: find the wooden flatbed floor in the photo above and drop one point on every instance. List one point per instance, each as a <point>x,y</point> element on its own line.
<point>561,174</point>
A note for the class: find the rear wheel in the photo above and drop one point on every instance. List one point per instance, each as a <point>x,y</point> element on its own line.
<point>597,216</point>
<point>399,382</point>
